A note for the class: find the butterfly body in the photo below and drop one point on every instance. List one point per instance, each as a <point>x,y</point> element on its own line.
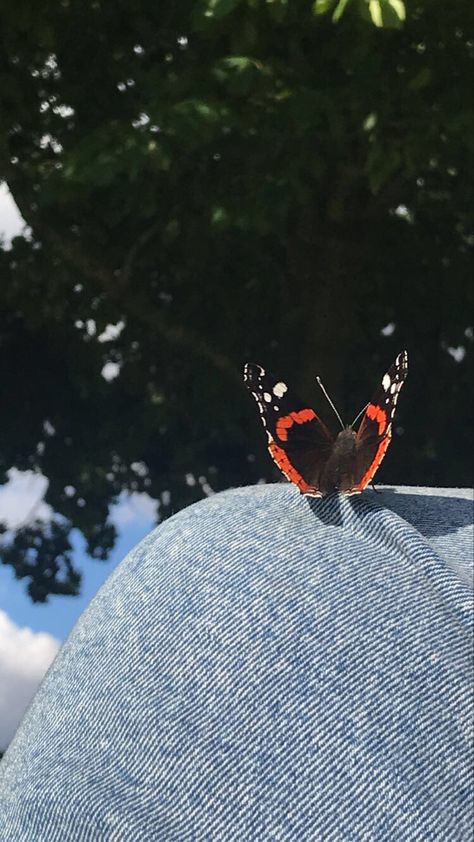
<point>338,473</point>
<point>306,452</point>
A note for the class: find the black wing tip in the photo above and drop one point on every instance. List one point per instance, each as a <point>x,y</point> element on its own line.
<point>252,370</point>
<point>401,362</point>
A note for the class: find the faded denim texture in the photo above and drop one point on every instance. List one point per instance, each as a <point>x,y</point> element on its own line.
<point>263,667</point>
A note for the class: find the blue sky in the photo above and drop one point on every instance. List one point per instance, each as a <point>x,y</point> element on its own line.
<point>31,633</point>
<point>59,614</point>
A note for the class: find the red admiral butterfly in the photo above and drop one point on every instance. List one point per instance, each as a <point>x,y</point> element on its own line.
<point>310,456</point>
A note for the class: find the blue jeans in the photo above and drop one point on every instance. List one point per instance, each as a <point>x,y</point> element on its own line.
<point>263,667</point>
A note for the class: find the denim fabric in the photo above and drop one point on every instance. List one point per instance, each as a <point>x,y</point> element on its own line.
<point>261,667</point>
<point>443,515</point>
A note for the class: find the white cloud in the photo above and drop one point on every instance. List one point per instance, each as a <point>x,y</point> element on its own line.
<point>11,221</point>
<point>110,371</point>
<point>25,656</point>
<point>139,468</point>
<point>388,329</point>
<point>137,507</point>
<point>142,120</point>
<point>111,332</point>
<point>21,499</point>
<point>458,353</point>
<point>403,213</point>
<point>91,327</point>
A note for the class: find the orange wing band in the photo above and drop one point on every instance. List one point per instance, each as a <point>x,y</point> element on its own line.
<point>375,413</point>
<point>281,459</point>
<point>368,476</point>
<point>284,424</point>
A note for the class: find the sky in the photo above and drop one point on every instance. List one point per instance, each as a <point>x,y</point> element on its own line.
<point>31,633</point>
<point>11,222</point>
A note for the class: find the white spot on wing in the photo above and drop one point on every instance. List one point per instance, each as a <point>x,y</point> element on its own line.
<point>386,382</point>
<point>267,397</point>
<point>279,389</point>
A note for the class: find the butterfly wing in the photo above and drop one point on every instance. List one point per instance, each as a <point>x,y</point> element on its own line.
<point>375,431</point>
<point>298,441</point>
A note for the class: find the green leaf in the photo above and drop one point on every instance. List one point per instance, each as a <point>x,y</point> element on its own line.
<point>238,63</point>
<point>421,80</point>
<point>238,73</point>
<point>220,8</point>
<point>320,7</point>
<point>381,165</point>
<point>398,7</point>
<point>219,217</point>
<point>387,14</point>
<point>375,11</point>
<point>370,122</point>
<point>339,10</point>
<point>277,9</point>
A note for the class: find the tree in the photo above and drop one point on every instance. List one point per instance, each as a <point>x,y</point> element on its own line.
<point>227,180</point>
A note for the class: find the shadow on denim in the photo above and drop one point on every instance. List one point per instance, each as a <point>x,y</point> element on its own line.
<point>431,513</point>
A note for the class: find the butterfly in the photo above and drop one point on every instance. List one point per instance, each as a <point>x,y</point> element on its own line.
<point>308,454</point>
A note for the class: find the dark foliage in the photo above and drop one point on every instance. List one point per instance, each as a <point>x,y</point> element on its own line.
<point>232,179</point>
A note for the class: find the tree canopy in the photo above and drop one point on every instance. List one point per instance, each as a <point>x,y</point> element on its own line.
<point>284,181</point>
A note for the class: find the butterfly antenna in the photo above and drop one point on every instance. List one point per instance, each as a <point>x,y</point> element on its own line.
<point>359,414</point>
<point>330,403</point>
